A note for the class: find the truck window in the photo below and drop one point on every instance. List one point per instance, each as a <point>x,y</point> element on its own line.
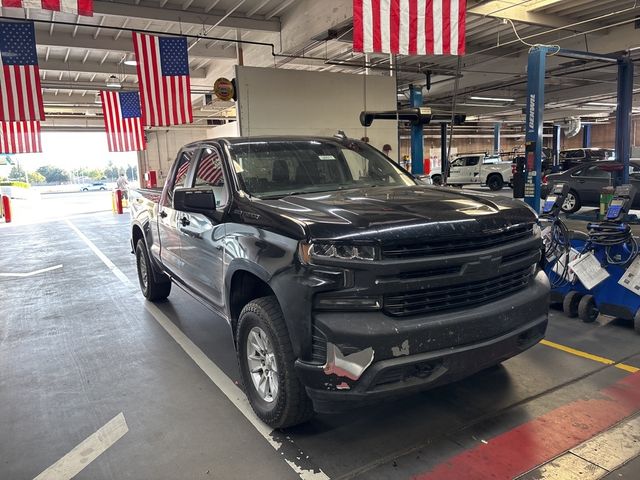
<point>181,168</point>
<point>210,174</point>
<point>472,161</point>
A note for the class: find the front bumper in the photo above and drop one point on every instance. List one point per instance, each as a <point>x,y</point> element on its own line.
<point>414,354</point>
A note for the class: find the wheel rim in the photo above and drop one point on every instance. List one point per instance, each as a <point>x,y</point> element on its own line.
<point>569,202</point>
<point>261,361</point>
<point>143,272</point>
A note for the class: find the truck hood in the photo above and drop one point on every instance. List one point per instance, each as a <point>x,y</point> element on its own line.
<point>395,213</point>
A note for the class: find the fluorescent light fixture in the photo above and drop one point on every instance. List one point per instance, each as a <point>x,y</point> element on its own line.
<point>602,104</point>
<point>493,99</point>
<point>131,63</point>
<point>113,82</point>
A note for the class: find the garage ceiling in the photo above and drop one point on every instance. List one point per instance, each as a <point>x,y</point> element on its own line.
<point>78,54</point>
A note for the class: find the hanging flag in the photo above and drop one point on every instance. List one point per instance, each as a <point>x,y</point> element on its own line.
<point>122,121</point>
<point>20,91</point>
<point>77,7</point>
<point>409,27</point>
<point>163,75</point>
<point>20,137</point>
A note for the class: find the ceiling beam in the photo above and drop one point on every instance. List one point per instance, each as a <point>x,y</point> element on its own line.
<point>171,15</point>
<point>123,44</point>
<point>109,68</point>
<point>521,14</point>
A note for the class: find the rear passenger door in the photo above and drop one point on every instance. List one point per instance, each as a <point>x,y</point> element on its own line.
<point>168,217</point>
<point>202,236</point>
<point>590,181</point>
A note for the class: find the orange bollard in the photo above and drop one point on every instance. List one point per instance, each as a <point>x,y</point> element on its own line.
<point>118,201</point>
<point>6,208</point>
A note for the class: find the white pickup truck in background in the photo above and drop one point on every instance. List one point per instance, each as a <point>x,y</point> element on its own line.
<point>478,169</point>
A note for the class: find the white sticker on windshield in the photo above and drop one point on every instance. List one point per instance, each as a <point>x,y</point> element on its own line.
<point>326,157</point>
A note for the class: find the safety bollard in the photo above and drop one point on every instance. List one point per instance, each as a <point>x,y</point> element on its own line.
<point>113,201</point>
<point>118,194</point>
<point>6,208</point>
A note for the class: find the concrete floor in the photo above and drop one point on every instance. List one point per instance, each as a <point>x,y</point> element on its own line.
<point>78,346</point>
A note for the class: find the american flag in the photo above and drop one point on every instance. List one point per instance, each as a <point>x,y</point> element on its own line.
<point>210,169</point>
<point>163,74</point>
<point>20,91</point>
<point>79,7</point>
<point>409,27</point>
<point>20,137</point>
<point>121,111</point>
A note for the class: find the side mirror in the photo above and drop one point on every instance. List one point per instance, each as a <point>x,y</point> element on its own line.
<point>195,200</point>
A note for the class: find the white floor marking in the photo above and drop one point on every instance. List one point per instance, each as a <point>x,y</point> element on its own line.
<point>225,384</point>
<point>30,274</point>
<point>87,451</point>
<point>110,265</point>
<point>217,376</point>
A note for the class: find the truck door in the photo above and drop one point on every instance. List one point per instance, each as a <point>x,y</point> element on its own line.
<point>202,236</point>
<point>469,170</point>
<point>590,181</point>
<point>168,217</point>
<point>457,171</point>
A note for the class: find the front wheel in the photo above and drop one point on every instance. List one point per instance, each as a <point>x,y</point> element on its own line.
<point>437,179</point>
<point>267,365</point>
<point>495,182</point>
<point>152,289</point>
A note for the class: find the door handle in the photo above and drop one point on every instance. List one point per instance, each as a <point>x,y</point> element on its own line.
<point>163,214</point>
<point>184,221</point>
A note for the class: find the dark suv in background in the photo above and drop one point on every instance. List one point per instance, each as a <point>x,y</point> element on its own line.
<point>577,156</point>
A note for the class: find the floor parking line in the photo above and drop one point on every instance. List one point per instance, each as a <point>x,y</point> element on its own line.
<point>31,274</point>
<point>87,451</point>
<point>589,356</point>
<point>217,376</point>
<point>110,265</point>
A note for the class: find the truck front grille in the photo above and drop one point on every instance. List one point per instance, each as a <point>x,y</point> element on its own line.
<point>466,244</point>
<point>458,296</point>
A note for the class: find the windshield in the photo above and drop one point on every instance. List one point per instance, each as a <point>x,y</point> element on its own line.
<point>274,169</point>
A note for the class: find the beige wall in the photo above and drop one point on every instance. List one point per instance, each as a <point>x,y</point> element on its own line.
<point>290,102</point>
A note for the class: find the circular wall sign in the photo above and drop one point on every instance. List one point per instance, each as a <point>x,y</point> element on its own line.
<point>223,88</point>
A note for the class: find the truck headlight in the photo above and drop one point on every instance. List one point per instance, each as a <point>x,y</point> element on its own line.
<point>338,251</point>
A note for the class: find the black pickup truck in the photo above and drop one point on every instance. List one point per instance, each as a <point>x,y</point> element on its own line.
<point>343,279</point>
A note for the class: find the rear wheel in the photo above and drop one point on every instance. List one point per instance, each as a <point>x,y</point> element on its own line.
<point>267,365</point>
<point>587,309</point>
<point>495,182</point>
<point>437,179</point>
<point>636,322</point>
<point>152,289</point>
<point>570,304</point>
<point>571,202</point>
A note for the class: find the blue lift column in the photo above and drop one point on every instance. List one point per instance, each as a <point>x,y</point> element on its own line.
<point>534,123</point>
<point>623,117</point>
<point>586,136</point>
<point>496,138</point>
<point>417,133</point>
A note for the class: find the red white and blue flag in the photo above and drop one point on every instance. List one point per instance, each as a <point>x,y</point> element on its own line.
<point>122,121</point>
<point>163,75</point>
<point>20,91</point>
<point>409,27</point>
<point>20,137</point>
<point>78,7</point>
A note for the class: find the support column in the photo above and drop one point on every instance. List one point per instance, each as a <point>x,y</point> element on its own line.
<point>534,122</point>
<point>417,133</point>
<point>623,117</point>
<point>586,136</point>
<point>444,161</point>
<point>555,148</point>
<point>496,138</point>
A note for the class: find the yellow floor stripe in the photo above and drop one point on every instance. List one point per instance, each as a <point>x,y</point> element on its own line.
<point>590,356</point>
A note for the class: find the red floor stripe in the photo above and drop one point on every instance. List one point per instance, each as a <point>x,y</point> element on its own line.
<point>543,438</point>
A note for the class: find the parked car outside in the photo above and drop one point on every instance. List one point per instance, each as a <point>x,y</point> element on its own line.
<point>586,182</point>
<point>478,169</point>
<point>95,186</point>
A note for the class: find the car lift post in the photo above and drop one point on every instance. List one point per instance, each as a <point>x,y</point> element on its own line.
<point>496,138</point>
<point>417,133</point>
<point>535,109</point>
<point>586,136</point>
<point>444,161</point>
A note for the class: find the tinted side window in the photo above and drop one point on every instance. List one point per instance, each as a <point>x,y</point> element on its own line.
<point>181,168</point>
<point>209,173</point>
<point>595,171</point>
<point>472,161</point>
